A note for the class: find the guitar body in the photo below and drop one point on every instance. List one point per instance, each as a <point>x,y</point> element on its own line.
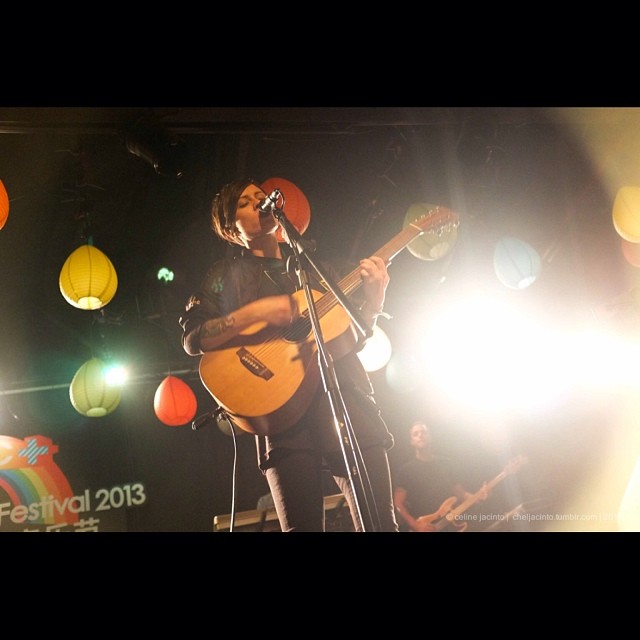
<point>266,377</point>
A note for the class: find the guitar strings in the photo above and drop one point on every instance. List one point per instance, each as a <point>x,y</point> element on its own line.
<point>323,305</point>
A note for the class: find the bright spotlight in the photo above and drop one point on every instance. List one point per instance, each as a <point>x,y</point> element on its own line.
<point>493,356</point>
<point>376,352</point>
<point>116,375</point>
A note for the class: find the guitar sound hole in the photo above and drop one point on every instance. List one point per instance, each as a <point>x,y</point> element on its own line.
<point>298,331</point>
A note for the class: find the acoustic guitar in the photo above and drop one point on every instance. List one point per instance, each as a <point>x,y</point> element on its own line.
<point>446,515</point>
<point>265,377</point>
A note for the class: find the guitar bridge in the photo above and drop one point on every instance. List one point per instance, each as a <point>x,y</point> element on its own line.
<point>250,362</point>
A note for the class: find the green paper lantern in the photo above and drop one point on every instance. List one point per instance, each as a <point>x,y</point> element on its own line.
<point>89,392</point>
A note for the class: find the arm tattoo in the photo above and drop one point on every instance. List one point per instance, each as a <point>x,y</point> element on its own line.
<point>216,327</point>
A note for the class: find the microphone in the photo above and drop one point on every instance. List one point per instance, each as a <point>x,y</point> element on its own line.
<point>267,206</point>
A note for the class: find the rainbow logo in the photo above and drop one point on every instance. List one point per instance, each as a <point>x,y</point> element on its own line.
<point>31,478</point>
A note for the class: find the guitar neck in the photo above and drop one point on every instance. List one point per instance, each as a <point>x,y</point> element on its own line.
<point>351,282</point>
<point>469,501</point>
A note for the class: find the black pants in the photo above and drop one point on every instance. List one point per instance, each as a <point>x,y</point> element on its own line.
<point>295,480</point>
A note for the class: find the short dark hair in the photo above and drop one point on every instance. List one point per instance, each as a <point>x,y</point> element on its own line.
<point>223,208</point>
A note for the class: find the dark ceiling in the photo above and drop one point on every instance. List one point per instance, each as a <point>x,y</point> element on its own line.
<point>236,120</point>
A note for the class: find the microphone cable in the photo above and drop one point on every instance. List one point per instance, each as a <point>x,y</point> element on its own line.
<point>232,517</point>
<point>217,415</point>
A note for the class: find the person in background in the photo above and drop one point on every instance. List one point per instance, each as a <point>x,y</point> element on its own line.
<point>422,484</point>
<point>252,286</point>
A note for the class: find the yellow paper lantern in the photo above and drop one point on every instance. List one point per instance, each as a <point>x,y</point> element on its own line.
<point>89,392</point>
<point>432,244</point>
<point>88,279</point>
<point>626,213</point>
<point>4,205</point>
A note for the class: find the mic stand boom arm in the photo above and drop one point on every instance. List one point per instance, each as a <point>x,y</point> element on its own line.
<point>356,471</point>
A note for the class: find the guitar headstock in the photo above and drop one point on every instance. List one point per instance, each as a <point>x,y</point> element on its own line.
<point>438,220</point>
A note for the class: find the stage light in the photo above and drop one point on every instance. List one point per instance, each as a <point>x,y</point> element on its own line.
<point>376,352</point>
<point>404,372</point>
<point>116,375</point>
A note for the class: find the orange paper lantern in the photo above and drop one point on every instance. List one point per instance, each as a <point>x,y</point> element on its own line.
<point>175,403</point>
<point>4,205</point>
<point>296,206</point>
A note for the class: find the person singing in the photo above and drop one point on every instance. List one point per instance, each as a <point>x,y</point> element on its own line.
<point>254,285</point>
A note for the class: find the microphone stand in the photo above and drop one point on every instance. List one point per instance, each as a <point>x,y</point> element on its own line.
<point>356,471</point>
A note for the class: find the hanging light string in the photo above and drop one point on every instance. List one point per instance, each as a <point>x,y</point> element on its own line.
<point>142,378</point>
